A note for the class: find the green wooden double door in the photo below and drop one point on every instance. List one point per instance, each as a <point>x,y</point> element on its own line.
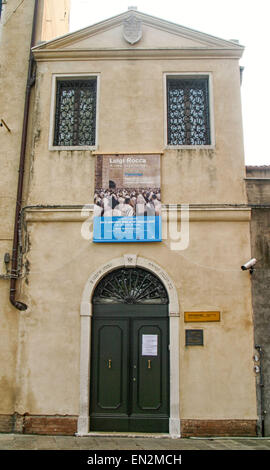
<point>129,388</point>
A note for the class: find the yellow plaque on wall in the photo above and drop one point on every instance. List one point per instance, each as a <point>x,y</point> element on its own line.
<point>202,316</point>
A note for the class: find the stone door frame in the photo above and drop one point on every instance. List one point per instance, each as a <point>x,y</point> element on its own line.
<point>128,260</point>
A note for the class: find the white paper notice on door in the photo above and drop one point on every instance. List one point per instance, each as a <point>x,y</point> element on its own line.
<point>149,345</point>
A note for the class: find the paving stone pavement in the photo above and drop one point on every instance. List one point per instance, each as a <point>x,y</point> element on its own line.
<point>103,443</point>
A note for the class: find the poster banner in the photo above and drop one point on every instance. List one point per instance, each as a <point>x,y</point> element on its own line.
<point>127,200</point>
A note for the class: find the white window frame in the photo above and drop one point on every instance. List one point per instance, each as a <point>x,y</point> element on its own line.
<point>71,77</point>
<point>191,75</point>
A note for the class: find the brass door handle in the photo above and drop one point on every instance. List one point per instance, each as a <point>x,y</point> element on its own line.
<point>149,364</point>
<point>110,363</point>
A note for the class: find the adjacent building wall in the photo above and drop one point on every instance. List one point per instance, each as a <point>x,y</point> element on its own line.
<point>15,37</point>
<point>53,19</point>
<point>258,191</point>
<point>16,28</point>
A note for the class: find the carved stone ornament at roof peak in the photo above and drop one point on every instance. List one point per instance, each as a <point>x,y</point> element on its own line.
<point>132,29</point>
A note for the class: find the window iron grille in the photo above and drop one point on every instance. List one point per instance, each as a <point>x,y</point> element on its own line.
<point>188,111</point>
<point>130,286</point>
<point>75,116</point>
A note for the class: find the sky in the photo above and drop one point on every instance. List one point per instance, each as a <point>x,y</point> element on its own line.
<point>245,20</point>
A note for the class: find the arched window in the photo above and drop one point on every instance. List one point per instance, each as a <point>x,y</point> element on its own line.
<point>130,286</point>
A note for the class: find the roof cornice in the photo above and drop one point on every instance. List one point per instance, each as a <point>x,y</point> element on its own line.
<point>135,54</point>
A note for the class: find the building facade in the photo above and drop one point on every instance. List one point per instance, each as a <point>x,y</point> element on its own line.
<point>135,314</point>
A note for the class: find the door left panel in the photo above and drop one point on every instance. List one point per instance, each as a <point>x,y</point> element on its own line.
<point>109,375</point>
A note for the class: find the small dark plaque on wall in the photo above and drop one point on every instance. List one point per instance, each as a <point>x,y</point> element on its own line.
<point>194,337</point>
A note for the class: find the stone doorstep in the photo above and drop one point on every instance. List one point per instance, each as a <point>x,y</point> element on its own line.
<point>125,435</point>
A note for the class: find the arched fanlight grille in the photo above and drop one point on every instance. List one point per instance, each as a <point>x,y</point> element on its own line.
<point>130,286</point>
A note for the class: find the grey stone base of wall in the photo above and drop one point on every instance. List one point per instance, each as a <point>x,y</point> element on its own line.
<point>67,426</point>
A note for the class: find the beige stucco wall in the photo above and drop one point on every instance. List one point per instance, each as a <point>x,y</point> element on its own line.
<point>131,119</point>
<point>216,380</point>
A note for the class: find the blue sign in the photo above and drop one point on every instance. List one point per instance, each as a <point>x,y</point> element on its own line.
<point>127,199</point>
<point>127,229</point>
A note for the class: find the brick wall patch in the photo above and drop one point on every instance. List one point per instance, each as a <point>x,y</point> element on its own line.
<point>219,428</point>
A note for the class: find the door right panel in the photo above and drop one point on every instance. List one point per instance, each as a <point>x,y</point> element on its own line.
<point>150,385</point>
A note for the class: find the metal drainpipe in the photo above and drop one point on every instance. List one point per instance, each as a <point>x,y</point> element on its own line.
<point>259,349</point>
<point>29,84</point>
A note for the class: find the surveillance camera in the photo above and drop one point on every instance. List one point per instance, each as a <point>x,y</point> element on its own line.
<point>249,264</point>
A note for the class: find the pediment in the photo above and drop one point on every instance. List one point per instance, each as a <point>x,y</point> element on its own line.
<point>120,33</point>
